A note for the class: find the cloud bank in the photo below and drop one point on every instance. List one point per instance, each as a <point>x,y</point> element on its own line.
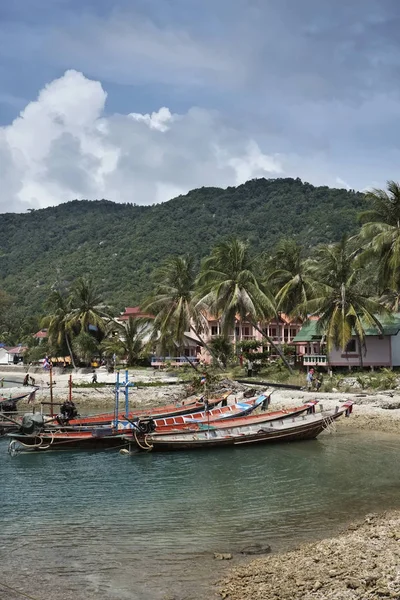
<point>64,146</point>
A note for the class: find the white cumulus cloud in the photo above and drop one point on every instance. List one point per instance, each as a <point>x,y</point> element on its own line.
<point>64,146</point>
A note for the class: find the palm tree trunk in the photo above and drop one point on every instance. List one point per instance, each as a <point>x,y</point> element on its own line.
<point>70,350</point>
<point>360,352</point>
<point>279,351</point>
<point>207,347</point>
<point>187,359</point>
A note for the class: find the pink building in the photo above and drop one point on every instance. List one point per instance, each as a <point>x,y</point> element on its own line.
<point>281,330</point>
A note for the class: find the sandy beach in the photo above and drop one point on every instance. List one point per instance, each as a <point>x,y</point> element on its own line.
<point>379,411</point>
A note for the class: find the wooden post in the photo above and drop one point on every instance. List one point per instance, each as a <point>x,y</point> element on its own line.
<point>70,388</point>
<point>51,391</point>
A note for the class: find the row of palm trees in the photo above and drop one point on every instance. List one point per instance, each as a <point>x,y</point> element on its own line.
<point>80,323</point>
<point>349,285</point>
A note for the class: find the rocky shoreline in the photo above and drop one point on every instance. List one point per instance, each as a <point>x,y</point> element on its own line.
<point>360,564</point>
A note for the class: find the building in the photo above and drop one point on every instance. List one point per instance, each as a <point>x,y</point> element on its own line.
<point>12,356</point>
<point>382,349</point>
<point>281,330</point>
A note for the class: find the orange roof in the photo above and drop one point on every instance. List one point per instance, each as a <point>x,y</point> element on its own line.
<point>135,312</point>
<point>41,334</point>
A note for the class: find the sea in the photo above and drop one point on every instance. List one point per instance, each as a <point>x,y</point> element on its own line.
<point>106,526</point>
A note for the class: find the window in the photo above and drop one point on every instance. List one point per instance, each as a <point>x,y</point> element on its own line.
<point>214,330</point>
<point>351,346</point>
<point>237,331</point>
<point>273,332</point>
<point>293,333</point>
<point>246,330</point>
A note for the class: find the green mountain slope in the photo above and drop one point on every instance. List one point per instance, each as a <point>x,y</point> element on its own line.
<point>121,244</point>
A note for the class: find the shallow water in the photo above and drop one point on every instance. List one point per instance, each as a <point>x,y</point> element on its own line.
<point>101,525</point>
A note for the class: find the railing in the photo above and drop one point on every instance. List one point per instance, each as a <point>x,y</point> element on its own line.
<point>174,361</point>
<point>315,359</point>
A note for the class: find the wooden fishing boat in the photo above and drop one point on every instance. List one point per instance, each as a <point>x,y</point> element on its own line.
<point>239,421</point>
<point>305,427</point>
<point>185,408</point>
<point>239,409</point>
<point>100,438</point>
<point>35,433</point>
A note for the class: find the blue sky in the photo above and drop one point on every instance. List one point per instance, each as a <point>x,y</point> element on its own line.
<point>252,88</point>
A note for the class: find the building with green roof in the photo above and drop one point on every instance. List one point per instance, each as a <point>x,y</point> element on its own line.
<point>382,348</point>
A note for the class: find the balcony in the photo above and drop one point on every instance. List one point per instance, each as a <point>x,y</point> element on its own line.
<point>315,360</point>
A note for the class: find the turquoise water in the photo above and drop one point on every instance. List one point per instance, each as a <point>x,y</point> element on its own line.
<point>105,526</point>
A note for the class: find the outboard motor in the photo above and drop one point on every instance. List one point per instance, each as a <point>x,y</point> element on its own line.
<point>9,406</point>
<point>146,425</point>
<point>32,423</point>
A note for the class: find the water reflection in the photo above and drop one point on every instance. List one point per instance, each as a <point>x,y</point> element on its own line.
<point>102,525</point>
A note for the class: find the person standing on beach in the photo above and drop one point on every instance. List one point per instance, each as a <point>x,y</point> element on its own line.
<point>249,368</point>
<point>310,379</point>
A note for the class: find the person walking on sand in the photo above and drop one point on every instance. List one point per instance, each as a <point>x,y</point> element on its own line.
<point>318,381</point>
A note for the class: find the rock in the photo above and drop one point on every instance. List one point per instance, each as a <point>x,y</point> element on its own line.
<point>391,405</point>
<point>352,583</point>
<point>334,573</point>
<point>223,556</point>
<point>335,390</point>
<point>256,549</point>
<point>317,586</point>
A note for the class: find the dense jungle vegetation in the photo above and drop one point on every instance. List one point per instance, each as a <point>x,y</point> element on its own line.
<point>120,245</point>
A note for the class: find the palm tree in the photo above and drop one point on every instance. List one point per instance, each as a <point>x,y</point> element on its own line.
<point>290,277</point>
<point>172,303</point>
<point>381,231</point>
<point>85,346</point>
<point>58,321</point>
<point>343,307</point>
<point>228,286</point>
<point>86,307</point>
<point>125,339</point>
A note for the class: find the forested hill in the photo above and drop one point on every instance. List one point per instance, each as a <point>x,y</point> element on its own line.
<point>121,244</point>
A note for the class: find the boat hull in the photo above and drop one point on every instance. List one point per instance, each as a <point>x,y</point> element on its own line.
<point>263,437</point>
<point>156,413</point>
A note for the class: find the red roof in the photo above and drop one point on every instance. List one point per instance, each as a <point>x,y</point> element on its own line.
<point>135,312</point>
<point>17,350</point>
<point>40,334</point>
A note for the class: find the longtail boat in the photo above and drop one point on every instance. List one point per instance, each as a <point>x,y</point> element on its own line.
<point>184,408</point>
<point>239,409</point>
<point>35,433</point>
<point>305,427</point>
<point>239,421</point>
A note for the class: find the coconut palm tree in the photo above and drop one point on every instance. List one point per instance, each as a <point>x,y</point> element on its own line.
<point>86,307</point>
<point>58,320</point>
<point>343,306</point>
<point>290,277</point>
<point>228,286</point>
<point>125,339</point>
<point>172,303</point>
<point>381,230</point>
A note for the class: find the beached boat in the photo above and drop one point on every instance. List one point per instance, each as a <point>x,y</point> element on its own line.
<point>36,433</point>
<point>239,421</point>
<point>172,410</point>
<point>231,411</point>
<point>305,427</point>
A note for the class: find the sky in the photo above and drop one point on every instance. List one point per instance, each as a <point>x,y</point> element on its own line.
<point>142,100</point>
